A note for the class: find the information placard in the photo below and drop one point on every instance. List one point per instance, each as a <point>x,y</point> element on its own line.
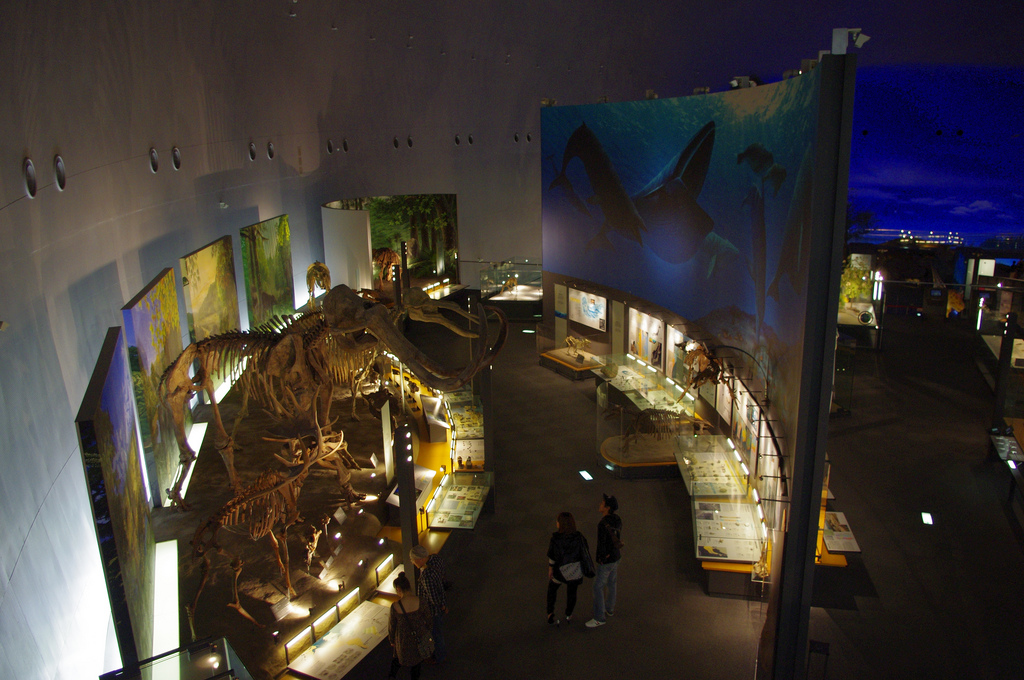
<point>588,309</point>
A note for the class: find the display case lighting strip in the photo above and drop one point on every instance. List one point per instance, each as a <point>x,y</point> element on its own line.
<point>390,558</point>
<point>764,527</point>
<point>324,617</point>
<point>743,466</point>
<point>294,641</point>
<point>341,603</point>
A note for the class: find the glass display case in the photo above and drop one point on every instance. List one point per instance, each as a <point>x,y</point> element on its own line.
<point>459,500</point>
<point>861,300</point>
<point>641,414</point>
<point>512,281</point>
<point>728,523</point>
<point>204,659</point>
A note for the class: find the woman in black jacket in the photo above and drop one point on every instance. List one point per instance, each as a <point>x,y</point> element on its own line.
<point>568,562</point>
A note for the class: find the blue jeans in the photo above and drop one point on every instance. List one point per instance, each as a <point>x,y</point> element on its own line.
<point>439,649</point>
<point>606,576</point>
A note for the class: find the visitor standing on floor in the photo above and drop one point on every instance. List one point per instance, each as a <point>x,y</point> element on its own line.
<point>607,554</point>
<point>409,630</point>
<point>568,562</point>
<point>430,587</point>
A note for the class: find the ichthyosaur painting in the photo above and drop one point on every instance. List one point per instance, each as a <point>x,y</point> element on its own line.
<point>699,204</point>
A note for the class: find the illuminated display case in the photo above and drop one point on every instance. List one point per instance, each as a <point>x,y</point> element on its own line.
<point>861,300</point>
<point>464,410</point>
<point>728,522</point>
<point>512,281</point>
<point>641,416</point>
<point>459,500</point>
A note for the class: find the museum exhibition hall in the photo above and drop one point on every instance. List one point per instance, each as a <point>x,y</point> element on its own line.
<point>292,287</point>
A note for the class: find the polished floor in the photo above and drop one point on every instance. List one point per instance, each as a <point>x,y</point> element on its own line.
<point>938,601</point>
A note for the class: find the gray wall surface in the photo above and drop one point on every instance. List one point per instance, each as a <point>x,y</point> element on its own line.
<point>101,82</point>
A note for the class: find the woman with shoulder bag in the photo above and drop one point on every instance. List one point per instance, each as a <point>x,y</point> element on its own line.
<point>568,562</point>
<point>409,630</point>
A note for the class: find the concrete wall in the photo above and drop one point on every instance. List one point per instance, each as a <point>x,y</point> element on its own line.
<point>101,82</point>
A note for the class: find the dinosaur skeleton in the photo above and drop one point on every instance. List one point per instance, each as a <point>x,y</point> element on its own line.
<point>577,345</point>
<point>289,363</point>
<point>384,259</point>
<point>510,285</point>
<point>660,424</point>
<point>317,276</point>
<point>267,507</point>
<point>703,366</point>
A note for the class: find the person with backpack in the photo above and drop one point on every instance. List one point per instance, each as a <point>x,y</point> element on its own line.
<point>607,555</point>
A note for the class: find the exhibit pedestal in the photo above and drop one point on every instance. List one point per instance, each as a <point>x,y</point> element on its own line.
<point>729,579</point>
<point>572,366</point>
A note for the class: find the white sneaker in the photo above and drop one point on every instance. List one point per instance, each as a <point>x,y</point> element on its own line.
<point>594,623</point>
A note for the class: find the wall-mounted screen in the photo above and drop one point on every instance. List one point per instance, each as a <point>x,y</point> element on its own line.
<point>588,309</point>
<point>647,338</point>
<point>675,355</point>
<point>724,399</point>
<point>746,423</point>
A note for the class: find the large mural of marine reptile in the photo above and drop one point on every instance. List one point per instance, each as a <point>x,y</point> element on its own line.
<point>291,366</point>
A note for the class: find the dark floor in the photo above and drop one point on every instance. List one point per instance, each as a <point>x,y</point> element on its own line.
<point>940,601</point>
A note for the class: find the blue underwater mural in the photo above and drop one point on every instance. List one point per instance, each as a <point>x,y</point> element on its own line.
<point>699,204</point>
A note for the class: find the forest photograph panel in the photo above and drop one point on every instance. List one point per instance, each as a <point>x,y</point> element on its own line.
<point>267,267</point>
<point>153,335</point>
<point>428,223</point>
<point>211,298</point>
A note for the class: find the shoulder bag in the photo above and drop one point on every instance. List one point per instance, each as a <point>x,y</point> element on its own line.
<point>424,642</point>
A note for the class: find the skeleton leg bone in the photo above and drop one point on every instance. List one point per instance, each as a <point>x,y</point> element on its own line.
<point>237,565</point>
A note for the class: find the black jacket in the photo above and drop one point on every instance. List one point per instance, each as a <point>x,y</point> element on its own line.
<point>565,549</point>
<point>609,526</point>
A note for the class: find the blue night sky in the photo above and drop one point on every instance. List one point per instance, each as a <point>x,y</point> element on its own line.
<point>939,148</point>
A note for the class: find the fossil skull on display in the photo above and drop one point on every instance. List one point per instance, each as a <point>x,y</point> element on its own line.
<point>355,323</point>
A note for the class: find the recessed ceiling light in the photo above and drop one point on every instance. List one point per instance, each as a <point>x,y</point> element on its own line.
<point>926,517</point>
<point>586,475</point>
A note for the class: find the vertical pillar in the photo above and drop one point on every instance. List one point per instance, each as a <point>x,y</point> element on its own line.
<point>1003,374</point>
<point>406,494</point>
<point>789,610</point>
<point>406,278</point>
